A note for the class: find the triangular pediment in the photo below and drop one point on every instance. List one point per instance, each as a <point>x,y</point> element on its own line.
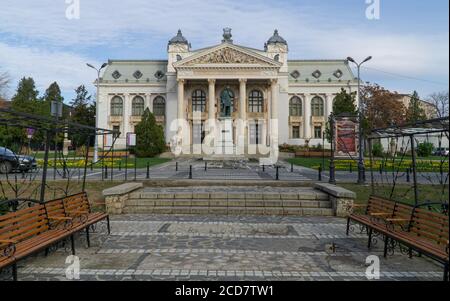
<point>228,55</point>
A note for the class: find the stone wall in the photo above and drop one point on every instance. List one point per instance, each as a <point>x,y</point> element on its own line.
<point>116,197</point>
<point>341,199</point>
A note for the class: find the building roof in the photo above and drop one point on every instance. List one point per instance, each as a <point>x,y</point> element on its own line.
<point>135,71</point>
<point>276,38</point>
<point>178,39</point>
<point>320,71</point>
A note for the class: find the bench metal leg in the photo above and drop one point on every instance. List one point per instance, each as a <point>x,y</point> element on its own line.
<point>410,253</point>
<point>386,241</point>
<point>14,272</point>
<point>72,243</point>
<point>369,243</point>
<point>348,225</point>
<point>46,252</point>
<point>109,227</point>
<point>446,272</point>
<point>88,240</point>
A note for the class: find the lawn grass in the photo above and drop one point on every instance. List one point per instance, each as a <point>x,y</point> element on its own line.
<point>422,164</point>
<point>402,193</point>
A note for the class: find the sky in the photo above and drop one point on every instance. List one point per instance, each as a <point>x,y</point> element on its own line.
<point>51,40</point>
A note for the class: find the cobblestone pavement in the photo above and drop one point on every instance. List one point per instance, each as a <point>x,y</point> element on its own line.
<point>182,247</point>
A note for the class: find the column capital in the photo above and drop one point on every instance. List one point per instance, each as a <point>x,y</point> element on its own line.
<point>243,80</point>
<point>211,81</point>
<point>274,81</point>
<point>181,81</point>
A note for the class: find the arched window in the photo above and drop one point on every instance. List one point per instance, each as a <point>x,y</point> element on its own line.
<point>317,106</point>
<point>295,106</point>
<point>198,101</point>
<point>116,106</point>
<point>159,106</point>
<point>255,102</point>
<point>137,106</point>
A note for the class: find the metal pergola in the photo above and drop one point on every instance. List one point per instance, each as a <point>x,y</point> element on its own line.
<point>438,126</point>
<point>51,127</point>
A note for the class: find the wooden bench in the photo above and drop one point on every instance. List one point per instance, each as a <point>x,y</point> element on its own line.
<point>375,215</point>
<point>427,233</point>
<point>28,231</point>
<point>77,206</point>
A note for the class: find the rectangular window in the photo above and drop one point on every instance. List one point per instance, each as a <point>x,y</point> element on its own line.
<point>318,132</point>
<point>116,129</point>
<point>296,132</point>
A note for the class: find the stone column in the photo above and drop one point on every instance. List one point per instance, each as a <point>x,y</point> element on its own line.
<point>211,99</point>
<point>181,111</point>
<point>126,114</point>
<point>242,112</point>
<point>274,87</point>
<point>307,117</point>
<point>148,102</point>
<point>329,104</point>
<point>182,133</point>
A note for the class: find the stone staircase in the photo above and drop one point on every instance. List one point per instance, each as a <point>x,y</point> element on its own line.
<point>299,201</point>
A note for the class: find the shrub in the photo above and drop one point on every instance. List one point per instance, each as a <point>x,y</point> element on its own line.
<point>377,150</point>
<point>149,136</point>
<point>424,149</point>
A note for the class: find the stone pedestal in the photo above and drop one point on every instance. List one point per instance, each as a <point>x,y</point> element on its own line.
<point>341,199</point>
<point>116,197</point>
<point>225,145</point>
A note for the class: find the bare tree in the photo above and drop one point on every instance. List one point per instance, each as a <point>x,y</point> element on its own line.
<point>440,101</point>
<point>4,82</point>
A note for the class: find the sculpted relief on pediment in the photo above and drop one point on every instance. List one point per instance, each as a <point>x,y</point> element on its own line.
<point>226,56</point>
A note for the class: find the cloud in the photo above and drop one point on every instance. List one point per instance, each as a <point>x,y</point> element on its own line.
<point>68,69</point>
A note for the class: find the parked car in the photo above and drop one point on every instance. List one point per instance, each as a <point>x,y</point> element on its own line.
<point>10,161</point>
<point>441,151</point>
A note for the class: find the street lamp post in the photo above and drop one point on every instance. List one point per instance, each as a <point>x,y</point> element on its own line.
<point>361,170</point>
<point>95,159</point>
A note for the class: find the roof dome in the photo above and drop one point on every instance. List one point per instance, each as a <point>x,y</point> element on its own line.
<point>178,39</point>
<point>276,38</point>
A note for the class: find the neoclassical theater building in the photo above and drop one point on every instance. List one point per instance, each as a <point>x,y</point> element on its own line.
<point>227,96</point>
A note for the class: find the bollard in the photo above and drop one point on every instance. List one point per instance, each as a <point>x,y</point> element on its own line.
<point>92,165</point>
<point>277,175</point>
<point>120,165</point>
<point>264,168</point>
<point>147,176</point>
<point>206,166</point>
<point>190,171</point>
<point>102,173</point>
<point>23,174</point>
<point>176,166</point>
<point>407,175</point>
<point>106,171</point>
<point>351,167</point>
<point>320,172</point>
<point>292,167</point>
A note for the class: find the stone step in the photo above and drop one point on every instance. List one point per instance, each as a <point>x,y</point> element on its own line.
<point>224,195</point>
<point>230,210</point>
<point>227,203</point>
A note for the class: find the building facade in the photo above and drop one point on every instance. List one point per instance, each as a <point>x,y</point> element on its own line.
<point>226,99</point>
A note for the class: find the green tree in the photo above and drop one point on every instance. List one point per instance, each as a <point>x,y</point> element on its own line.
<point>26,97</point>
<point>415,112</point>
<point>83,113</point>
<point>344,103</point>
<point>53,93</point>
<point>149,136</point>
